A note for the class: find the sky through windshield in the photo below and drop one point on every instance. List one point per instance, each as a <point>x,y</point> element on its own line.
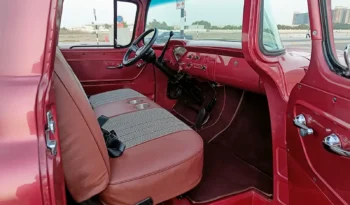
<point>283,11</point>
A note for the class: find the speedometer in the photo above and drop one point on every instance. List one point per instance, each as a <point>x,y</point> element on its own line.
<point>179,52</point>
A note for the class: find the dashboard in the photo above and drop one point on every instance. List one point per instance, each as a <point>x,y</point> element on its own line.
<point>220,62</point>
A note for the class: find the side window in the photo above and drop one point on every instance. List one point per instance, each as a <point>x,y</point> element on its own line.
<point>196,19</point>
<point>125,23</point>
<point>91,23</point>
<point>270,35</point>
<point>339,15</point>
<point>284,25</point>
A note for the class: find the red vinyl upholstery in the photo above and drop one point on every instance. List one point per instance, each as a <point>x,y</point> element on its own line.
<point>163,158</point>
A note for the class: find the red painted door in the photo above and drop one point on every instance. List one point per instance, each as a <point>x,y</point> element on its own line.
<point>319,149</point>
<point>95,41</point>
<point>101,70</point>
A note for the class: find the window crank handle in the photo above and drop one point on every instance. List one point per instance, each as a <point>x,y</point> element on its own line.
<point>300,122</point>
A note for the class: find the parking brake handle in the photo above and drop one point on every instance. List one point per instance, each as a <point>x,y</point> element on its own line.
<point>160,59</point>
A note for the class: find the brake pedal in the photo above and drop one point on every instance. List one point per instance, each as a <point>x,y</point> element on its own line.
<point>200,118</point>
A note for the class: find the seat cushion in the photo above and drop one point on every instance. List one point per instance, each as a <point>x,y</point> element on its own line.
<point>163,159</point>
<point>138,127</point>
<point>113,96</point>
<point>123,106</point>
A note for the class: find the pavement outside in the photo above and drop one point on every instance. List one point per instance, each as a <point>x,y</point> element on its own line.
<point>290,38</point>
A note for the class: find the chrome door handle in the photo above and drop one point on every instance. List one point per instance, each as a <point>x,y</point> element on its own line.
<point>334,144</point>
<point>300,122</point>
<point>115,66</point>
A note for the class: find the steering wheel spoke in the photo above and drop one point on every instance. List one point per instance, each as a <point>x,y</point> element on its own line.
<point>134,47</point>
<point>140,52</point>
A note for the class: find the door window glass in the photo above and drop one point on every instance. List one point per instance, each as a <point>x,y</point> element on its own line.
<point>93,22</point>
<point>125,23</point>
<point>285,26</point>
<point>270,35</point>
<point>340,18</point>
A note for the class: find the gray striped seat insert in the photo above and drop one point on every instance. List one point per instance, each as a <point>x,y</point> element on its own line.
<point>138,127</point>
<point>113,96</point>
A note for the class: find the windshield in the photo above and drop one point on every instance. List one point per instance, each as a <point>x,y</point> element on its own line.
<point>197,19</point>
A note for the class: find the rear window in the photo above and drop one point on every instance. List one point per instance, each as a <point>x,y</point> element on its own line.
<point>197,19</point>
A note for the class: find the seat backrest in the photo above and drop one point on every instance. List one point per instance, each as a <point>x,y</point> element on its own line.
<point>84,154</point>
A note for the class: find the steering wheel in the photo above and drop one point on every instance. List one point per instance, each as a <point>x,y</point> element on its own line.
<point>140,52</point>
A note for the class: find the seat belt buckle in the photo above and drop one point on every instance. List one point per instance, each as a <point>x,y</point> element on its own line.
<point>115,147</point>
<point>148,201</point>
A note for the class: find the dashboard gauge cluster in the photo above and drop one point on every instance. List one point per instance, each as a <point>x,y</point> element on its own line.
<point>223,64</point>
<point>179,52</point>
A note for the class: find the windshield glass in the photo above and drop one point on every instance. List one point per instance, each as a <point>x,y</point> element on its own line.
<point>285,25</point>
<point>197,19</point>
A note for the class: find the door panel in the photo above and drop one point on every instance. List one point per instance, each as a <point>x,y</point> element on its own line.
<point>302,189</point>
<point>55,173</point>
<point>99,70</point>
<point>316,174</point>
<point>328,171</point>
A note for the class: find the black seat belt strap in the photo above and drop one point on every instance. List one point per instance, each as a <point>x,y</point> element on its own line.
<point>102,120</point>
<point>115,147</point>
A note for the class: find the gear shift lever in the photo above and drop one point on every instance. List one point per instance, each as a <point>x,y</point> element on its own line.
<point>160,59</point>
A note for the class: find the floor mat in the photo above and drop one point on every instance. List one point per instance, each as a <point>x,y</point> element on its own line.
<point>239,157</point>
<point>228,100</point>
<point>230,104</point>
<point>249,134</point>
<point>225,174</point>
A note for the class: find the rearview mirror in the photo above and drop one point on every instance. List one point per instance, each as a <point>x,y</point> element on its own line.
<point>347,56</point>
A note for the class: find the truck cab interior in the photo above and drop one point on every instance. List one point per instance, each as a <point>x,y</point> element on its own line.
<point>192,114</point>
<point>174,102</point>
<point>191,117</point>
<point>213,141</point>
